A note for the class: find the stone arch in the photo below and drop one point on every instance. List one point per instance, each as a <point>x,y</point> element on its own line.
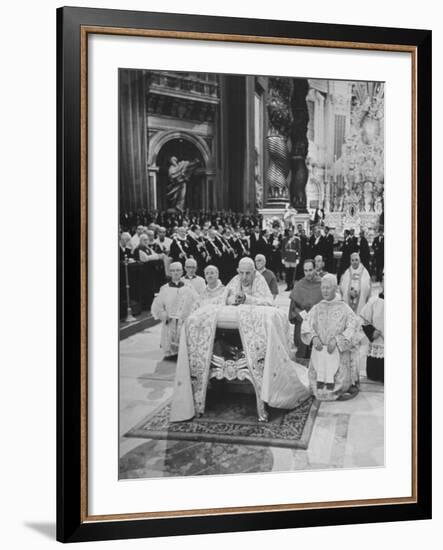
<point>161,138</point>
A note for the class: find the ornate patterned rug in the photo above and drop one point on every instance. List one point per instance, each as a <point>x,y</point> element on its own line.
<point>232,418</point>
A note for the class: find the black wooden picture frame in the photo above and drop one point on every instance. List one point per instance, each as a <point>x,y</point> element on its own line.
<point>73,522</point>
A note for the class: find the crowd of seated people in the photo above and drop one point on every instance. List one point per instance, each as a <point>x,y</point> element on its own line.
<point>221,239</point>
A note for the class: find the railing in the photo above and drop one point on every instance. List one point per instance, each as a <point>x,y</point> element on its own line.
<point>189,85</point>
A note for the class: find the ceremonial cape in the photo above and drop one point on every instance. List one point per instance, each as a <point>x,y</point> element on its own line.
<point>360,279</point>
<point>327,320</point>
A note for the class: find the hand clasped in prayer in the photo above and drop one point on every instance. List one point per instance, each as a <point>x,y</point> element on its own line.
<point>240,298</point>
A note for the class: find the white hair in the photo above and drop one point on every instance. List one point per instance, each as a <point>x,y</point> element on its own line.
<point>176,264</point>
<point>260,257</point>
<point>190,261</point>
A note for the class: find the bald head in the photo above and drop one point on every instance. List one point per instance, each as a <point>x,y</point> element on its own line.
<point>329,286</point>
<point>246,271</point>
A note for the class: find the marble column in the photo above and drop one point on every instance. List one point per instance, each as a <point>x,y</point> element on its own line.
<point>299,141</point>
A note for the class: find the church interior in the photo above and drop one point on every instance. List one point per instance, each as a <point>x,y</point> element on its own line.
<point>272,151</point>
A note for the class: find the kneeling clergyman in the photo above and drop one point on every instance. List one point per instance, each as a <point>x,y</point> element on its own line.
<point>248,287</point>
<point>173,305</point>
<point>191,278</point>
<point>334,331</point>
<point>214,291</point>
<point>373,315</point>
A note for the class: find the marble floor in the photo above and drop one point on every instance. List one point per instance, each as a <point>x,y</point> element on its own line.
<point>347,434</point>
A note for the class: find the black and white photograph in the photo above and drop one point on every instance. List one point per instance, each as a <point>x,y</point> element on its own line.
<point>251,274</point>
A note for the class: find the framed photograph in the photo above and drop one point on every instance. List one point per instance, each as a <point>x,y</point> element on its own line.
<point>235,198</point>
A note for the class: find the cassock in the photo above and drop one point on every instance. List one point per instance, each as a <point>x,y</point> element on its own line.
<point>271,280</point>
<point>355,287</point>
<point>304,296</point>
<point>332,374</point>
<point>373,315</point>
<point>174,303</point>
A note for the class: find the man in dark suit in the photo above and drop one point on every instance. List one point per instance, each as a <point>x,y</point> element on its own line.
<point>353,241</point>
<point>257,242</point>
<point>346,248</point>
<point>316,243</point>
<point>364,252</point>
<point>328,246</point>
<point>378,246</point>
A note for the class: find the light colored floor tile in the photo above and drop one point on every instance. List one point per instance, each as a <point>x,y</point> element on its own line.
<point>347,434</point>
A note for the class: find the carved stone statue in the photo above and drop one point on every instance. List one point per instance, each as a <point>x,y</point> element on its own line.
<point>179,174</point>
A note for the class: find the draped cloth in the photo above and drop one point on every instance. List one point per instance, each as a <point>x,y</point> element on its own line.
<point>326,320</point>
<point>265,336</point>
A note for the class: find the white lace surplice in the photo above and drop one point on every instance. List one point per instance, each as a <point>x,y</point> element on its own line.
<point>334,319</point>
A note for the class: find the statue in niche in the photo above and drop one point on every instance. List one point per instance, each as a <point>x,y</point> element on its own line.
<point>179,174</point>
